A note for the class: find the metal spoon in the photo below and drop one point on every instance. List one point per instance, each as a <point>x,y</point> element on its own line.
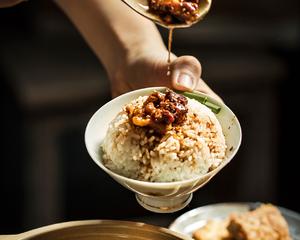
<point>141,7</point>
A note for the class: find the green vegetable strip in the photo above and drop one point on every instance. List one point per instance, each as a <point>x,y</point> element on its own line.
<point>204,100</point>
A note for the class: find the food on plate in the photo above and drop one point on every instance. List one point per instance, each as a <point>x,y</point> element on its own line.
<point>214,229</point>
<point>163,137</point>
<point>175,11</point>
<point>263,223</point>
<point>266,222</point>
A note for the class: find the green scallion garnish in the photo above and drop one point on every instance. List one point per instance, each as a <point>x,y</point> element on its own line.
<point>204,100</point>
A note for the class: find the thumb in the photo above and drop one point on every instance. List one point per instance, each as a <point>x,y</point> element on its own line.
<point>185,73</point>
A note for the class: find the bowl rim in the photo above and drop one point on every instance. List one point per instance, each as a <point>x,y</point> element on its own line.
<point>85,223</point>
<point>162,184</point>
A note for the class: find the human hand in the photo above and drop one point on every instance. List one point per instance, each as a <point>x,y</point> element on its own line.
<point>150,69</point>
<point>131,48</point>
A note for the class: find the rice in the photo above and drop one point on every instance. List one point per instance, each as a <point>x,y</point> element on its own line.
<point>193,148</point>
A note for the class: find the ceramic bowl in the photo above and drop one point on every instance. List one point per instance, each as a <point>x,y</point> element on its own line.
<point>159,197</point>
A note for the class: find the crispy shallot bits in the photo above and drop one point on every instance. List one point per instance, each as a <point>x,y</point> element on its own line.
<point>160,111</point>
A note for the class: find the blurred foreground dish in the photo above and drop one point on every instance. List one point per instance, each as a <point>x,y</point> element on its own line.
<point>98,230</point>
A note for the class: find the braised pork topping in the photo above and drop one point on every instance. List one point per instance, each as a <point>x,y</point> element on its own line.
<point>160,111</point>
<point>175,11</point>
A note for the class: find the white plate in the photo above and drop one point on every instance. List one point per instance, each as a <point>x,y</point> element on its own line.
<point>192,220</point>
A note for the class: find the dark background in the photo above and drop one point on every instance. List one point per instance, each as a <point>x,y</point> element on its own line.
<point>51,84</point>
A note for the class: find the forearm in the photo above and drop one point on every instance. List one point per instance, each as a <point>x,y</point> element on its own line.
<point>9,3</point>
<point>113,31</point>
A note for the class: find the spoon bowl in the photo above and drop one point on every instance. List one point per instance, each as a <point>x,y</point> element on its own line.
<point>141,7</point>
